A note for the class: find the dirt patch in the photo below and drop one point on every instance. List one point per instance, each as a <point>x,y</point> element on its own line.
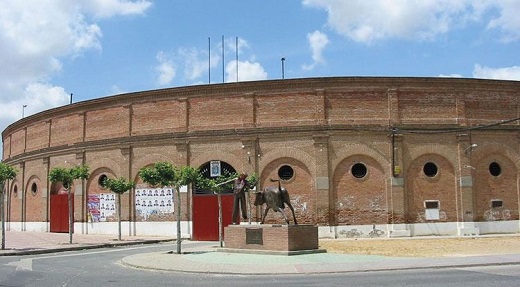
<point>425,247</point>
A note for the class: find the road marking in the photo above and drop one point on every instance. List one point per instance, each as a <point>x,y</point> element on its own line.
<point>22,264</point>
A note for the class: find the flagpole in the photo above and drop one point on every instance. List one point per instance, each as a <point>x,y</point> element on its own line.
<point>209,60</point>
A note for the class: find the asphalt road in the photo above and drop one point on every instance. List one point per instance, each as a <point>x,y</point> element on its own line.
<point>101,267</point>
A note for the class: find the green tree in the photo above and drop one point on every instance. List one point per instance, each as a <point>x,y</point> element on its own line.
<point>7,172</point>
<point>67,176</point>
<point>119,186</point>
<point>164,174</point>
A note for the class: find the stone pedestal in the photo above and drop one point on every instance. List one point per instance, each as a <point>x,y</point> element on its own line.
<point>272,239</point>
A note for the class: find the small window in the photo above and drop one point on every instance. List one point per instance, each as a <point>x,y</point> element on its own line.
<point>495,169</point>
<point>431,204</point>
<point>285,172</point>
<point>496,203</point>
<point>430,169</point>
<point>359,170</point>
<point>15,191</point>
<point>102,180</point>
<point>34,188</point>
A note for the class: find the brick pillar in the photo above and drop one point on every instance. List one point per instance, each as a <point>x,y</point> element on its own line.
<point>324,197</point>
<point>393,107</point>
<point>465,178</point>
<point>397,208</point>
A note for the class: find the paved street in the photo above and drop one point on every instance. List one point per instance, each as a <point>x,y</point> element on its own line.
<point>33,259</point>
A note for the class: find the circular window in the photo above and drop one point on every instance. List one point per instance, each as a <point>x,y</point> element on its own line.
<point>430,169</point>
<point>285,172</point>
<point>359,170</point>
<point>34,188</point>
<point>495,169</point>
<point>102,180</point>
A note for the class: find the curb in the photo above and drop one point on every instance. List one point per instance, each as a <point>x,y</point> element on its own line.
<point>80,247</point>
<point>184,264</point>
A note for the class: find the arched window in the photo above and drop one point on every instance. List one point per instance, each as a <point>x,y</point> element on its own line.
<point>226,170</point>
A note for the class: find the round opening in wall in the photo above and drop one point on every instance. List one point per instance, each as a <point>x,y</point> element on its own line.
<point>102,180</point>
<point>430,169</point>
<point>359,170</point>
<point>34,188</point>
<point>495,169</point>
<point>285,172</point>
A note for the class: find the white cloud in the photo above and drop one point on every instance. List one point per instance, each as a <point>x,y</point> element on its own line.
<point>109,8</point>
<point>36,36</point>
<point>507,73</point>
<point>195,62</point>
<point>247,71</point>
<point>317,42</point>
<point>36,97</point>
<point>369,21</point>
<point>450,76</point>
<point>508,22</point>
<point>165,69</point>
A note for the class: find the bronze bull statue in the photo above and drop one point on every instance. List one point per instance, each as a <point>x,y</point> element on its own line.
<point>275,197</point>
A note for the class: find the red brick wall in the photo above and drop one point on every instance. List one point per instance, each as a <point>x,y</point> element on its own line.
<point>18,142</point>
<point>66,129</point>
<point>278,121</point>
<point>441,187</point>
<point>360,200</point>
<point>430,107</point>
<point>357,107</point>
<point>158,117</point>
<point>107,123</point>
<point>289,109</point>
<point>215,113</point>
<point>38,136</point>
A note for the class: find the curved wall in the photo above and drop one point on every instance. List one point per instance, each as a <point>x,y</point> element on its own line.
<point>357,148</point>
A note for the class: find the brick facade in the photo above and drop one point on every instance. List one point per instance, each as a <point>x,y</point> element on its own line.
<point>325,129</point>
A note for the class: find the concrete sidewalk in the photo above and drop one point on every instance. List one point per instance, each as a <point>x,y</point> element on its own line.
<point>27,242</point>
<point>212,261</point>
<point>207,257</point>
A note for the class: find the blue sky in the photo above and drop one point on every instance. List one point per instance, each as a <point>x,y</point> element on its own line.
<point>96,48</point>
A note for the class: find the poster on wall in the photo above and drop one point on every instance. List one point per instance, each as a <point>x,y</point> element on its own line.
<point>149,201</point>
<point>101,206</point>
<point>214,168</point>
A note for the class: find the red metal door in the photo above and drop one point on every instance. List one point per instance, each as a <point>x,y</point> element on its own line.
<point>59,213</point>
<point>205,215</point>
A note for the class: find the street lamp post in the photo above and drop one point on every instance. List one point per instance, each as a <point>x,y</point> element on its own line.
<point>283,68</point>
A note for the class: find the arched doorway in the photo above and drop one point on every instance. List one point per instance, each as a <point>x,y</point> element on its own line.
<point>205,203</point>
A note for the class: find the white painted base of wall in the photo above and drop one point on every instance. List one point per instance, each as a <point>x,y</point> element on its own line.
<point>169,229</point>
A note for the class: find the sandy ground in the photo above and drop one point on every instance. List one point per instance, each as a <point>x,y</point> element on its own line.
<point>425,247</point>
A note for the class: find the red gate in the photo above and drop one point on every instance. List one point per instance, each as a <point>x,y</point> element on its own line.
<point>205,215</point>
<point>59,213</point>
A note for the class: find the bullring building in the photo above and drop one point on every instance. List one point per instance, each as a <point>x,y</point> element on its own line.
<point>360,156</point>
